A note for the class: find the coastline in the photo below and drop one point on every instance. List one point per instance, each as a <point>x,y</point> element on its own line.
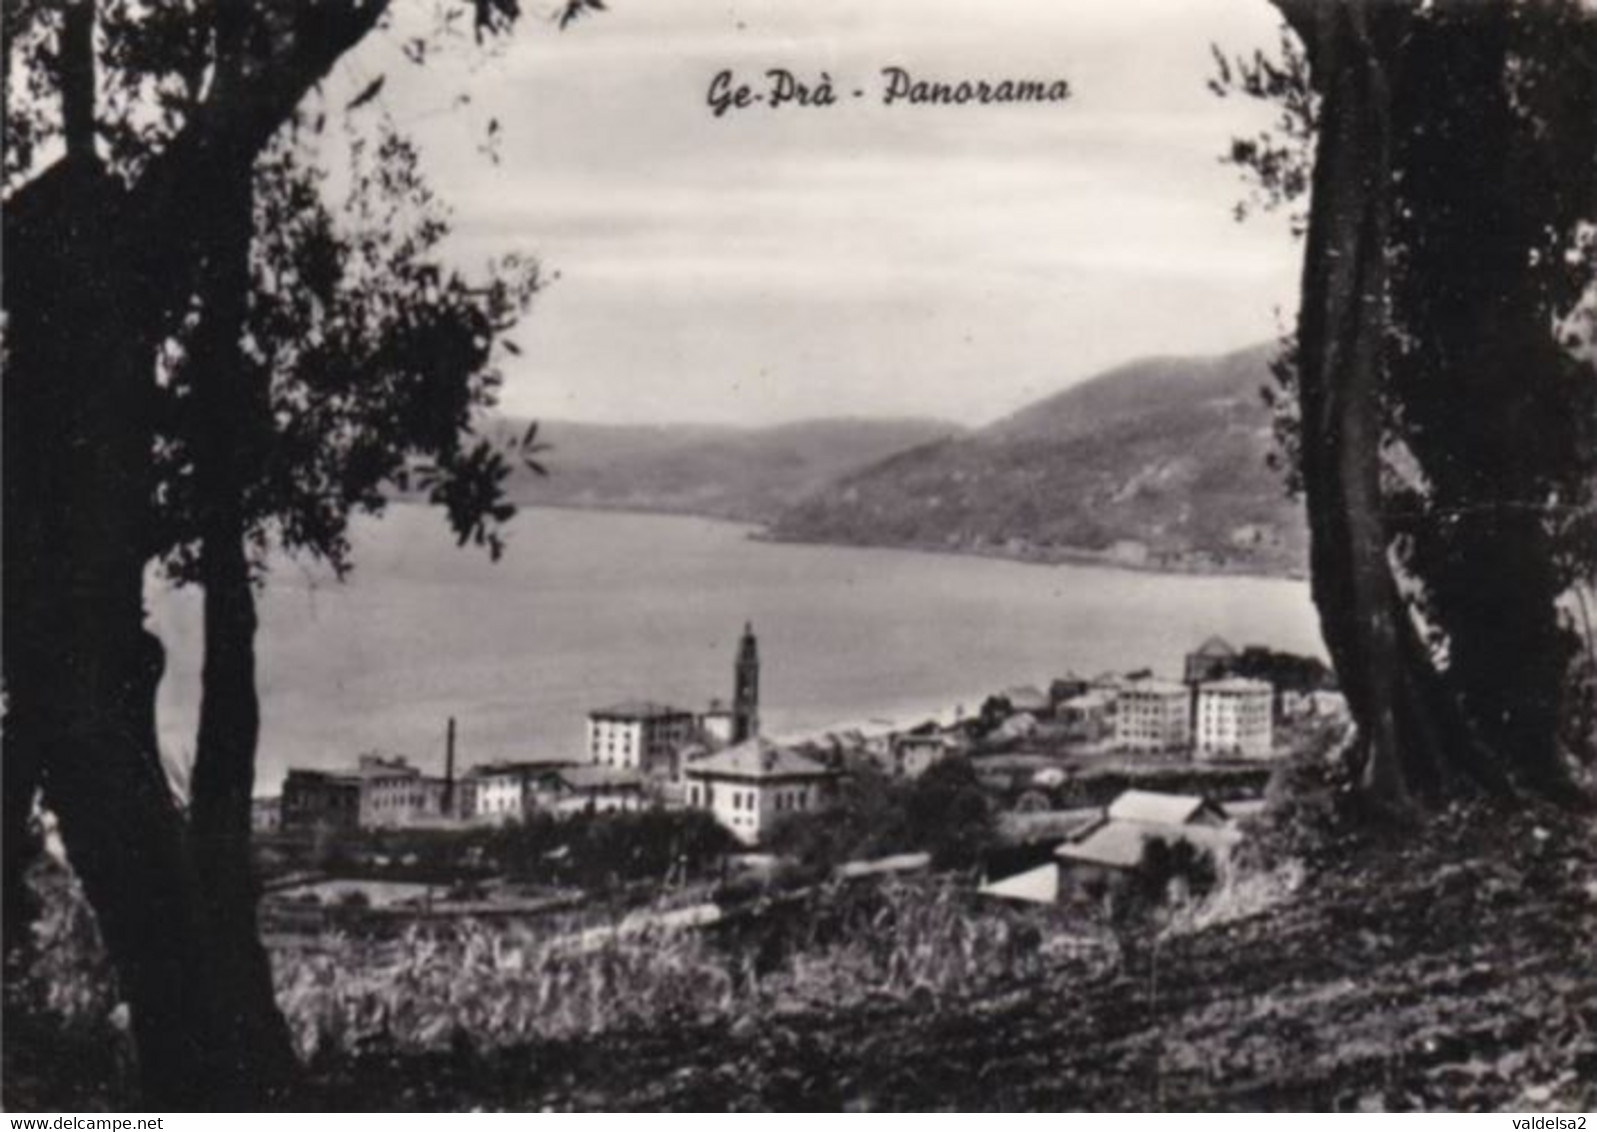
<point>760,531</point>
<point>1052,556</point>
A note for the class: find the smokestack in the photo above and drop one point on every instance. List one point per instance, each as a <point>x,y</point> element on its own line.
<point>449,768</point>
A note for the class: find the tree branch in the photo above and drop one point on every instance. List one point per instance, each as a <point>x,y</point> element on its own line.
<point>235,123</point>
<point>76,76</point>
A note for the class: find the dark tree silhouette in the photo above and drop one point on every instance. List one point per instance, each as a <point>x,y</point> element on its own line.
<point>138,427</point>
<point>1446,436</point>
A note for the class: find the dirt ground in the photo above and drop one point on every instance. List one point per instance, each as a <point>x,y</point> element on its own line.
<point>1451,970</point>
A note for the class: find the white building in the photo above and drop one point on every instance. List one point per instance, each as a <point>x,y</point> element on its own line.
<point>586,789</point>
<point>1329,705</point>
<point>914,754</point>
<point>500,793</point>
<point>1093,860</point>
<point>752,786</point>
<point>1089,716</point>
<point>638,735</point>
<point>1153,715</point>
<point>1235,719</point>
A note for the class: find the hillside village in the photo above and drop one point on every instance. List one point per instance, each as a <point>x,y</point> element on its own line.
<point>1081,772</point>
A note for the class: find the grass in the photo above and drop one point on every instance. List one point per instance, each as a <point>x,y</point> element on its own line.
<point>501,986</point>
<point>475,990</point>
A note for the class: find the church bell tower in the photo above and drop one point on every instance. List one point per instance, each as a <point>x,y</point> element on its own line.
<point>746,688</point>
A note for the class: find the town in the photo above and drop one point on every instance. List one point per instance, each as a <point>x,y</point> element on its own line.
<point>1062,767</point>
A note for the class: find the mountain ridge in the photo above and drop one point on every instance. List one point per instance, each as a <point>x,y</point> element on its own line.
<point>1158,463</point>
<point>747,474</point>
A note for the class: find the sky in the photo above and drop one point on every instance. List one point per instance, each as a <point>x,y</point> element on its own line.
<point>859,259</point>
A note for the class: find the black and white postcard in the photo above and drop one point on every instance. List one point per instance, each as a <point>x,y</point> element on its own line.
<point>800,556</point>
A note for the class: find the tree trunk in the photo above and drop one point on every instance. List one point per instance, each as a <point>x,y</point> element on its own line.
<point>95,275</point>
<point>255,1037</point>
<point>1492,399</point>
<point>1417,735</point>
<point>1377,652</point>
<point>81,670</point>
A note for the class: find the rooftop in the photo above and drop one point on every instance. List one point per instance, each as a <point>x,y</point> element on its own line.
<point>638,710</point>
<point>1149,686</point>
<point>758,758</point>
<point>1120,844</point>
<point>587,777</point>
<point>1160,809</point>
<point>521,766</point>
<point>1215,646</point>
<point>1035,886</point>
<point>1236,685</point>
<point>374,764</point>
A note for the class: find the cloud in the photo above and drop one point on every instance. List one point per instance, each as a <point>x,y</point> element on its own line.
<point>859,258</point>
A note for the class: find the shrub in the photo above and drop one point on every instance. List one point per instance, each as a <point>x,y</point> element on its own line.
<point>944,812</point>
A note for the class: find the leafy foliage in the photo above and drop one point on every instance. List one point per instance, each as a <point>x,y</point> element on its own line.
<point>378,359</point>
<point>1277,161</point>
<point>944,812</point>
<point>1489,388</point>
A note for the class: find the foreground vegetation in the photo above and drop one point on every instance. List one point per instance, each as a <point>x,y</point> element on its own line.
<point>1451,970</point>
<point>473,993</point>
<point>1342,968</point>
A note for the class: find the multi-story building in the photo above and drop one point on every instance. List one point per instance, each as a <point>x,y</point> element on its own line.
<point>394,793</point>
<point>1153,715</point>
<point>320,801</point>
<point>504,792</point>
<point>1234,719</point>
<point>752,786</point>
<point>638,735</point>
<point>587,789</point>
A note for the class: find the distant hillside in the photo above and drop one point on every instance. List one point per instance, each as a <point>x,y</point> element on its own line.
<point>720,471</point>
<point>1158,463</point>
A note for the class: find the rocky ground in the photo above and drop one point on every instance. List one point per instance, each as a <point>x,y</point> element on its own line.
<point>1454,969</point>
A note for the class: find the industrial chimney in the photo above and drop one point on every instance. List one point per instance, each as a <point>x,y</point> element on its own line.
<point>449,769</point>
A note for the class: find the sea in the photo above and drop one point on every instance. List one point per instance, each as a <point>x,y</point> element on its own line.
<point>587,608</point>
